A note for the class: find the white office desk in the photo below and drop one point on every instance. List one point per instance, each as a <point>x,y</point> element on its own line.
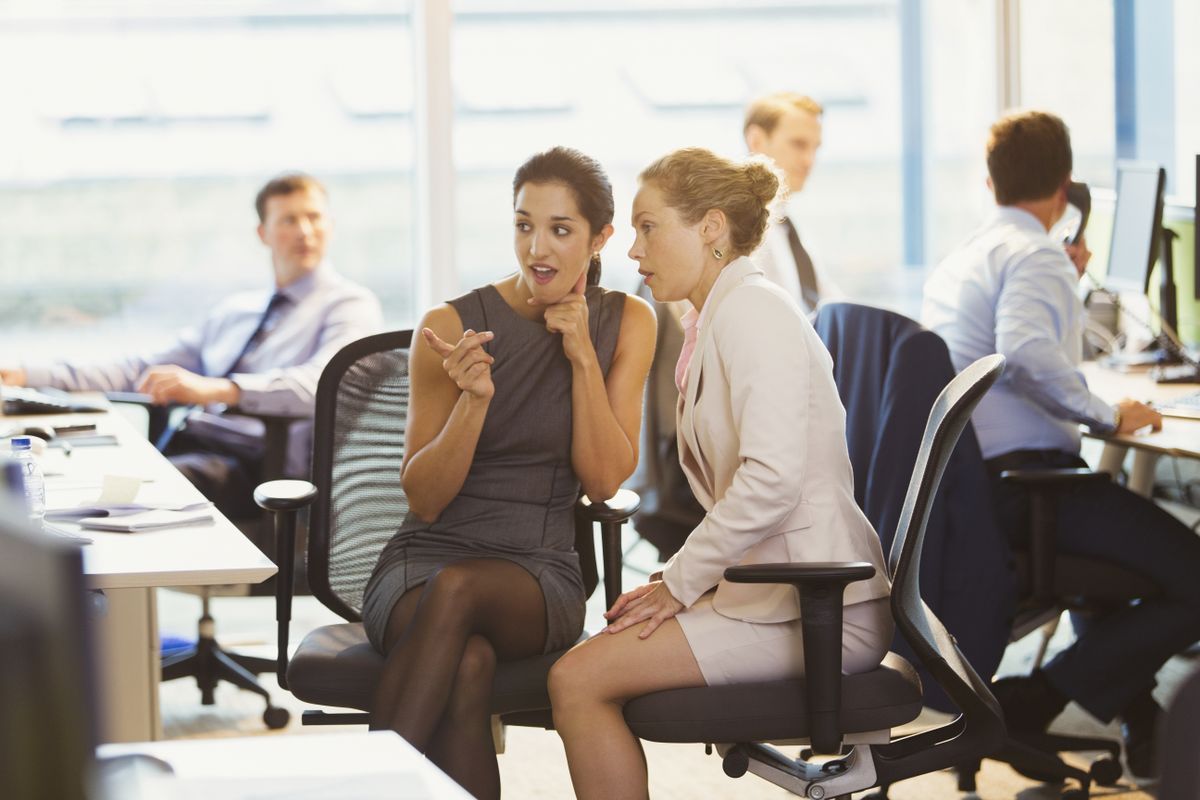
<point>1178,437</point>
<point>130,566</point>
<point>370,766</point>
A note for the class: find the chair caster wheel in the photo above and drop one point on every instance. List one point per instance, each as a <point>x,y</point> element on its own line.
<point>276,717</point>
<point>1105,771</point>
<point>735,763</point>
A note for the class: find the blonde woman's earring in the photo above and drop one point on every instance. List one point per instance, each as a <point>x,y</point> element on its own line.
<point>717,254</point>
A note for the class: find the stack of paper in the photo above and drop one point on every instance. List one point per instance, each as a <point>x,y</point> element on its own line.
<point>149,520</point>
<point>100,509</point>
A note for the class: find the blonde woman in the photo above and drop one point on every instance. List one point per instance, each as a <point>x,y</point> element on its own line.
<point>763,444</point>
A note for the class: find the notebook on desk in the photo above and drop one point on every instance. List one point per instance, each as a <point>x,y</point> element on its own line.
<point>156,519</point>
<point>1187,406</point>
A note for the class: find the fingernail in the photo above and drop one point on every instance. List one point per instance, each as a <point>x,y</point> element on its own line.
<point>488,335</point>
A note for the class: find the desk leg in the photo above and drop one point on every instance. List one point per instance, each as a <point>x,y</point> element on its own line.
<point>1112,459</point>
<point>128,656</point>
<point>1141,478</point>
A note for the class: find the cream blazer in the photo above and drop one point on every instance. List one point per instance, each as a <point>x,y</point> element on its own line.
<point>762,440</point>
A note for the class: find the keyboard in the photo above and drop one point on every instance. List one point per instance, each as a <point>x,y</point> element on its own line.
<point>1187,405</point>
<point>21,400</point>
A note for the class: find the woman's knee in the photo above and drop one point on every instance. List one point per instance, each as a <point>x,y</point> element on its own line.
<point>573,680</point>
<point>449,594</point>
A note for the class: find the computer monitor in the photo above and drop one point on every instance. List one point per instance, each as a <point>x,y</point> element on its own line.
<point>1137,225</point>
<point>47,723</point>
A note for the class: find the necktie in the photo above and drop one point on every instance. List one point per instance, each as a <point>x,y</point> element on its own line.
<point>180,420</point>
<point>691,330</point>
<point>277,300</point>
<point>804,267</point>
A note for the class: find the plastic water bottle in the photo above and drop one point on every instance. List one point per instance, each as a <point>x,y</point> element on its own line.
<point>31,473</point>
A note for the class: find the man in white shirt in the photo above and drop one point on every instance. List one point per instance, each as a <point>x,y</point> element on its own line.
<point>1011,289</point>
<point>258,351</point>
<point>786,127</point>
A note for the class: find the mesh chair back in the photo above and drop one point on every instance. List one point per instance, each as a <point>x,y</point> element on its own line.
<point>923,631</point>
<point>358,447</point>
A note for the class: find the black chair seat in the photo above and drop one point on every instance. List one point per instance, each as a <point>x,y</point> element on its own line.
<point>335,665</point>
<point>883,698</point>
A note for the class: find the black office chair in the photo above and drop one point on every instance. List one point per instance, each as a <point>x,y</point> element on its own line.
<point>1050,583</point>
<point>362,403</point>
<point>207,661</point>
<point>827,708</point>
<point>888,369</point>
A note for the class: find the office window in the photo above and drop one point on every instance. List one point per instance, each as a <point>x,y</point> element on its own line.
<point>962,104</point>
<point>627,82</point>
<point>137,137</point>
<point>1187,92</point>
<point>1067,68</point>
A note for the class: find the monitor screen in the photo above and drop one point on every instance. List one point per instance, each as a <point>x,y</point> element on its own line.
<point>47,732</point>
<point>1136,223</point>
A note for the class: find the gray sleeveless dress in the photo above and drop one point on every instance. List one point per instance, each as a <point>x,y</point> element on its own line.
<point>518,500</point>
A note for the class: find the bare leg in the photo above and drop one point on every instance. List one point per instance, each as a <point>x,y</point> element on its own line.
<point>589,687</point>
<point>436,675</point>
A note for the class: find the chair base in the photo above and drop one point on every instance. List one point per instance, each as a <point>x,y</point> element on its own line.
<point>1035,756</point>
<point>209,664</point>
<point>832,779</point>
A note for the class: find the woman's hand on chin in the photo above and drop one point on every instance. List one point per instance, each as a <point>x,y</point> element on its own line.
<point>569,317</point>
<point>653,604</point>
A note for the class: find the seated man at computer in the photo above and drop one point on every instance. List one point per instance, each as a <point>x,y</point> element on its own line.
<point>1011,289</point>
<point>259,351</point>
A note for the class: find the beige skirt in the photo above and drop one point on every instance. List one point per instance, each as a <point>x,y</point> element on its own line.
<point>735,651</point>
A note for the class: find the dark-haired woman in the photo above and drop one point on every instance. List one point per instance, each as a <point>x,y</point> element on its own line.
<point>523,391</point>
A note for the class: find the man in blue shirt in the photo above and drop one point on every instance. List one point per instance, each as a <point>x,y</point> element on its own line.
<point>259,351</point>
<point>1011,289</point>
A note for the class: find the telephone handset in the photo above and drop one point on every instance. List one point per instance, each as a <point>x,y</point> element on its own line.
<point>1079,196</point>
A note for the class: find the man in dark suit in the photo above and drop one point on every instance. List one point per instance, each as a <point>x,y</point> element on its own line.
<point>786,127</point>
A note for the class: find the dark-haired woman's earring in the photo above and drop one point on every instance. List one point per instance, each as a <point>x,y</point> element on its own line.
<point>596,256</point>
<point>718,254</point>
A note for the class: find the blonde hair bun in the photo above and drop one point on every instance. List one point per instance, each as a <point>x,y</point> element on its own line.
<point>695,180</point>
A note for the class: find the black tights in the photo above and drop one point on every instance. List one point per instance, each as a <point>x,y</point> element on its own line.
<point>442,643</point>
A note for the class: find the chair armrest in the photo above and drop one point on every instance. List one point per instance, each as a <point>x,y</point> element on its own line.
<point>822,587</point>
<point>1044,486</point>
<point>1053,478</point>
<point>618,508</point>
<point>284,499</point>
<point>286,495</point>
<point>276,428</point>
<point>611,514</point>
<point>132,398</point>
